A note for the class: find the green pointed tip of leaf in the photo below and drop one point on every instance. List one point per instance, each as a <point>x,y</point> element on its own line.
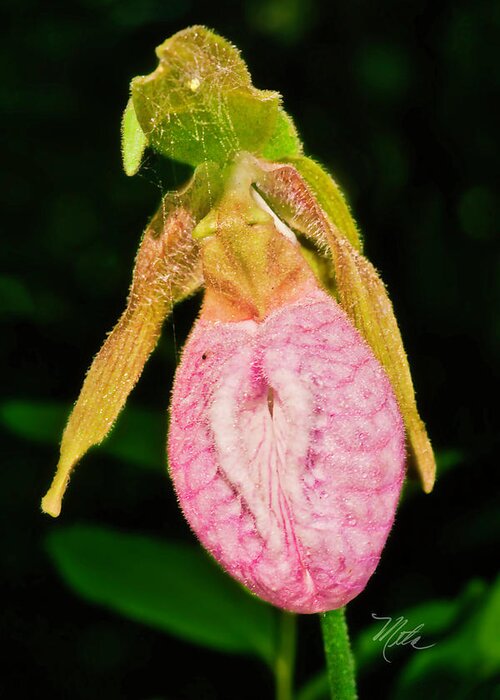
<point>134,141</point>
<point>200,105</point>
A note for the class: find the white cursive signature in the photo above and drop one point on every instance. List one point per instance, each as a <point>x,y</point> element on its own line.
<point>393,634</point>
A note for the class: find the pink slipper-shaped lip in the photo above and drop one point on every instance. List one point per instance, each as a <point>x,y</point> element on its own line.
<point>286,449</point>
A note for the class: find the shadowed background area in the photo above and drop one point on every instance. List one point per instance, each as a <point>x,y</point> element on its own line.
<point>395,99</point>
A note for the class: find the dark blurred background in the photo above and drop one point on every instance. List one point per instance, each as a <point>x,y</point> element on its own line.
<point>396,99</point>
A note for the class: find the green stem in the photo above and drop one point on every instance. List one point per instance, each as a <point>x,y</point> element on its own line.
<point>339,658</point>
<point>285,658</point>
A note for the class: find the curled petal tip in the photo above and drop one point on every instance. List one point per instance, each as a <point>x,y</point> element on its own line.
<point>51,503</point>
<point>167,269</point>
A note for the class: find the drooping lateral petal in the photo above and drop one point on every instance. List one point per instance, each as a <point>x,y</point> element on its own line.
<point>167,269</point>
<point>361,293</point>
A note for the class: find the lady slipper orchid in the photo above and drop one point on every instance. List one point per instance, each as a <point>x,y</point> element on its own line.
<point>293,398</point>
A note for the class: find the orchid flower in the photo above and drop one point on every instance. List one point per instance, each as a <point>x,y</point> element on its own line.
<point>293,413</point>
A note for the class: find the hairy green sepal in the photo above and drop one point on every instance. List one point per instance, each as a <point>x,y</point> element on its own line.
<point>200,105</point>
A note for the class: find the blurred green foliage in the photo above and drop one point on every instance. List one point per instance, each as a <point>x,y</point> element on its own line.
<point>396,99</point>
<point>138,436</point>
<point>172,586</point>
<point>457,648</point>
<point>178,589</point>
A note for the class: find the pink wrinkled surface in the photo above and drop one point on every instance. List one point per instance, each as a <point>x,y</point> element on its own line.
<point>286,449</point>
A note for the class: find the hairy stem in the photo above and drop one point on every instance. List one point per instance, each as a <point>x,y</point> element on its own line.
<point>285,657</point>
<point>339,658</point>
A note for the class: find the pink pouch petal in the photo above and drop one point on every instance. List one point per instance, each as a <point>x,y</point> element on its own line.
<point>286,449</point>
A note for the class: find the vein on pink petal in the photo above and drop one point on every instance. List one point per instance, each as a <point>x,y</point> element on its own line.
<point>286,449</point>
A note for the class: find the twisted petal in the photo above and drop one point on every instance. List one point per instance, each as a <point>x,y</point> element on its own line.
<point>286,449</point>
<point>360,291</point>
<point>363,296</point>
<point>167,268</point>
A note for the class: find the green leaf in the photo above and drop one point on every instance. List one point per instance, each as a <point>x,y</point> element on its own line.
<point>284,142</point>
<point>339,658</point>
<point>138,437</point>
<point>488,625</point>
<point>436,616</point>
<point>441,619</point>
<point>462,663</point>
<point>171,586</point>
<point>38,421</point>
<point>448,459</point>
<point>200,105</point>
<point>330,197</point>
<point>134,141</point>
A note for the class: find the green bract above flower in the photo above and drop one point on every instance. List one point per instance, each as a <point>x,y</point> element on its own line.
<point>200,105</point>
